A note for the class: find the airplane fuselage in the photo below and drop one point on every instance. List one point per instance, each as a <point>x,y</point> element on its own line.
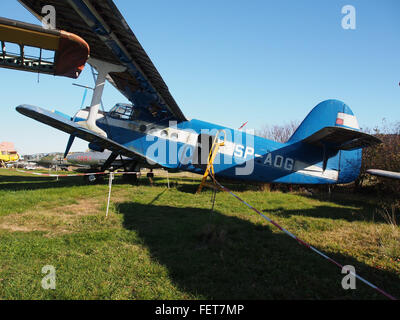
<point>245,156</point>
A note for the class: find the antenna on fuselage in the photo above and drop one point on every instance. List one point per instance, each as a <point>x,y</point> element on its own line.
<point>242,126</point>
<point>84,93</point>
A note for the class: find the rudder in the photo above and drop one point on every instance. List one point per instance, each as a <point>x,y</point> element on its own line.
<point>328,113</point>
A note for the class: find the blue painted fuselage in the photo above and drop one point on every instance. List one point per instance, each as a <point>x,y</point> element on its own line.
<point>314,154</point>
<point>244,157</point>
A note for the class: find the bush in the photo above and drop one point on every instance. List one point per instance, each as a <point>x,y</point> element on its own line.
<point>385,156</point>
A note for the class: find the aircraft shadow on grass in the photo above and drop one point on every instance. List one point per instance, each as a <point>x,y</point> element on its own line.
<point>359,211</point>
<point>8,179</point>
<point>351,208</point>
<point>364,213</point>
<point>17,183</point>
<point>215,256</point>
<point>236,187</point>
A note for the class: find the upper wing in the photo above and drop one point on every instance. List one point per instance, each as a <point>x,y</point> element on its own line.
<point>102,26</point>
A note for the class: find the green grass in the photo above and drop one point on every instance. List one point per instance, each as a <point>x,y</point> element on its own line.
<point>160,243</point>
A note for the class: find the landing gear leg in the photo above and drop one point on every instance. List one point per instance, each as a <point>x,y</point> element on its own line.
<point>150,175</point>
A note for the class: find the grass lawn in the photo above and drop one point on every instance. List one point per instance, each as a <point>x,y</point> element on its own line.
<point>160,243</point>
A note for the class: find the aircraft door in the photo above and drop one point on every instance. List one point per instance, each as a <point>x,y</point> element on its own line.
<point>202,150</point>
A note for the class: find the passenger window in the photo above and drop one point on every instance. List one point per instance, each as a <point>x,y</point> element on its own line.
<point>174,136</point>
<point>164,134</point>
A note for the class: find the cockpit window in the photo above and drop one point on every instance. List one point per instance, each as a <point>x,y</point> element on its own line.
<point>125,111</point>
<point>121,111</point>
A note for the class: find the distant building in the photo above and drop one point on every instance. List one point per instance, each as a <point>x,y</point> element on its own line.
<point>7,153</point>
<point>7,147</point>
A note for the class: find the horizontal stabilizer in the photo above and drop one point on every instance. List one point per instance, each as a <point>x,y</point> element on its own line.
<point>341,138</point>
<point>59,122</point>
<point>384,173</point>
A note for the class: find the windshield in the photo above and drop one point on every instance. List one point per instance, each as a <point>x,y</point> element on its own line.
<point>121,111</point>
<point>126,111</point>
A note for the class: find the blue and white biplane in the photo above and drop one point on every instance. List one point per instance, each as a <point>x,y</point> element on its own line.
<point>152,130</point>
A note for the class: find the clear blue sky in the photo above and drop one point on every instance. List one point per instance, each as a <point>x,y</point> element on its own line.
<point>227,62</point>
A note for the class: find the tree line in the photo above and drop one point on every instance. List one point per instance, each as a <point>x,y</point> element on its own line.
<point>384,156</point>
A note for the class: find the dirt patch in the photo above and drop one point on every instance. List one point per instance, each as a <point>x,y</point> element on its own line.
<point>54,221</point>
<point>19,228</point>
<point>84,207</point>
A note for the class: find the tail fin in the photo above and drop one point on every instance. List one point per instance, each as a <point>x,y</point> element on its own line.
<point>332,126</point>
<point>329,113</point>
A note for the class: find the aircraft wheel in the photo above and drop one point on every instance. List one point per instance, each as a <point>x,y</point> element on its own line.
<point>150,175</point>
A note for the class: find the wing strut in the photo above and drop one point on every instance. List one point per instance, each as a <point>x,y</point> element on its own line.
<point>103,68</point>
<point>109,161</point>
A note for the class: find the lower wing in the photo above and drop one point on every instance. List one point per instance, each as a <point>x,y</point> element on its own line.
<point>61,123</point>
